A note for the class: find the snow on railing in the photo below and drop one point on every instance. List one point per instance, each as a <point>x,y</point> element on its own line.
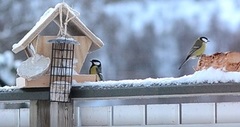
<point>208,76</point>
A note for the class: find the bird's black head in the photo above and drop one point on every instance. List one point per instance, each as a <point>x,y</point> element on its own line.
<point>204,39</point>
<point>95,62</point>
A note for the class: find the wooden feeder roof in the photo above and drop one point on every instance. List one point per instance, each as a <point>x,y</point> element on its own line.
<point>75,27</point>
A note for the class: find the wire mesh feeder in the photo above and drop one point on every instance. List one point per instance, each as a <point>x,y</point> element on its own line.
<point>61,68</point>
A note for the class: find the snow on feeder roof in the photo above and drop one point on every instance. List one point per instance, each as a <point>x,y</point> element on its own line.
<point>75,27</point>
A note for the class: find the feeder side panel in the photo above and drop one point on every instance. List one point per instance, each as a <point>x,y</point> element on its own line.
<point>81,51</point>
<point>42,46</point>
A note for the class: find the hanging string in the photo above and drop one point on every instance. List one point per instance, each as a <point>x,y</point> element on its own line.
<point>63,29</point>
<point>66,23</point>
<point>60,18</point>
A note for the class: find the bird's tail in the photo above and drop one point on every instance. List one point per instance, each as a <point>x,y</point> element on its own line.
<point>183,62</point>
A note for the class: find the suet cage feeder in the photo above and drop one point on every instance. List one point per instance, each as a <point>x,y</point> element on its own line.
<point>61,70</point>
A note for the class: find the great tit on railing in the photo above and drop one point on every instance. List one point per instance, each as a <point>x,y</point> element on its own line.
<point>96,68</point>
<point>197,50</point>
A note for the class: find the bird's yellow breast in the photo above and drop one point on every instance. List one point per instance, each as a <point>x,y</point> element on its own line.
<point>93,70</point>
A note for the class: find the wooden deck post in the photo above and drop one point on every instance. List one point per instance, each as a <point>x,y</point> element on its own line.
<point>39,113</point>
<point>61,114</point>
<point>51,114</point>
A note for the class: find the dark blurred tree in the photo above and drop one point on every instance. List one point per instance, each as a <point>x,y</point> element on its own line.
<point>17,18</point>
<point>221,36</point>
<point>138,55</point>
<point>185,36</point>
<point>235,45</point>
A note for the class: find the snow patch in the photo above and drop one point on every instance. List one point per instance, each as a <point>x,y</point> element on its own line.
<point>210,75</point>
<point>7,88</point>
<point>64,40</point>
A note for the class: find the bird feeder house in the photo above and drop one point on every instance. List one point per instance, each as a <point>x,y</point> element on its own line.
<point>56,48</point>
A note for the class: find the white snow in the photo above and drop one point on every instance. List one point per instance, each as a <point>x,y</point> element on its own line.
<point>7,88</point>
<point>210,75</point>
<point>64,40</point>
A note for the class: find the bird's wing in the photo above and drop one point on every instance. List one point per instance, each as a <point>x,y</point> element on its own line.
<point>99,69</point>
<point>99,72</point>
<point>195,47</point>
<point>100,76</point>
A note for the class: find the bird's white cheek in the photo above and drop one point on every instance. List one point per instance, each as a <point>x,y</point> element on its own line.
<point>96,63</point>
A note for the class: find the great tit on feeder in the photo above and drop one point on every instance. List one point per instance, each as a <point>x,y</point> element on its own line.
<point>197,49</point>
<point>96,68</point>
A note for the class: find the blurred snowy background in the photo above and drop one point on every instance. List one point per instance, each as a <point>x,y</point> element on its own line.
<point>143,38</point>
